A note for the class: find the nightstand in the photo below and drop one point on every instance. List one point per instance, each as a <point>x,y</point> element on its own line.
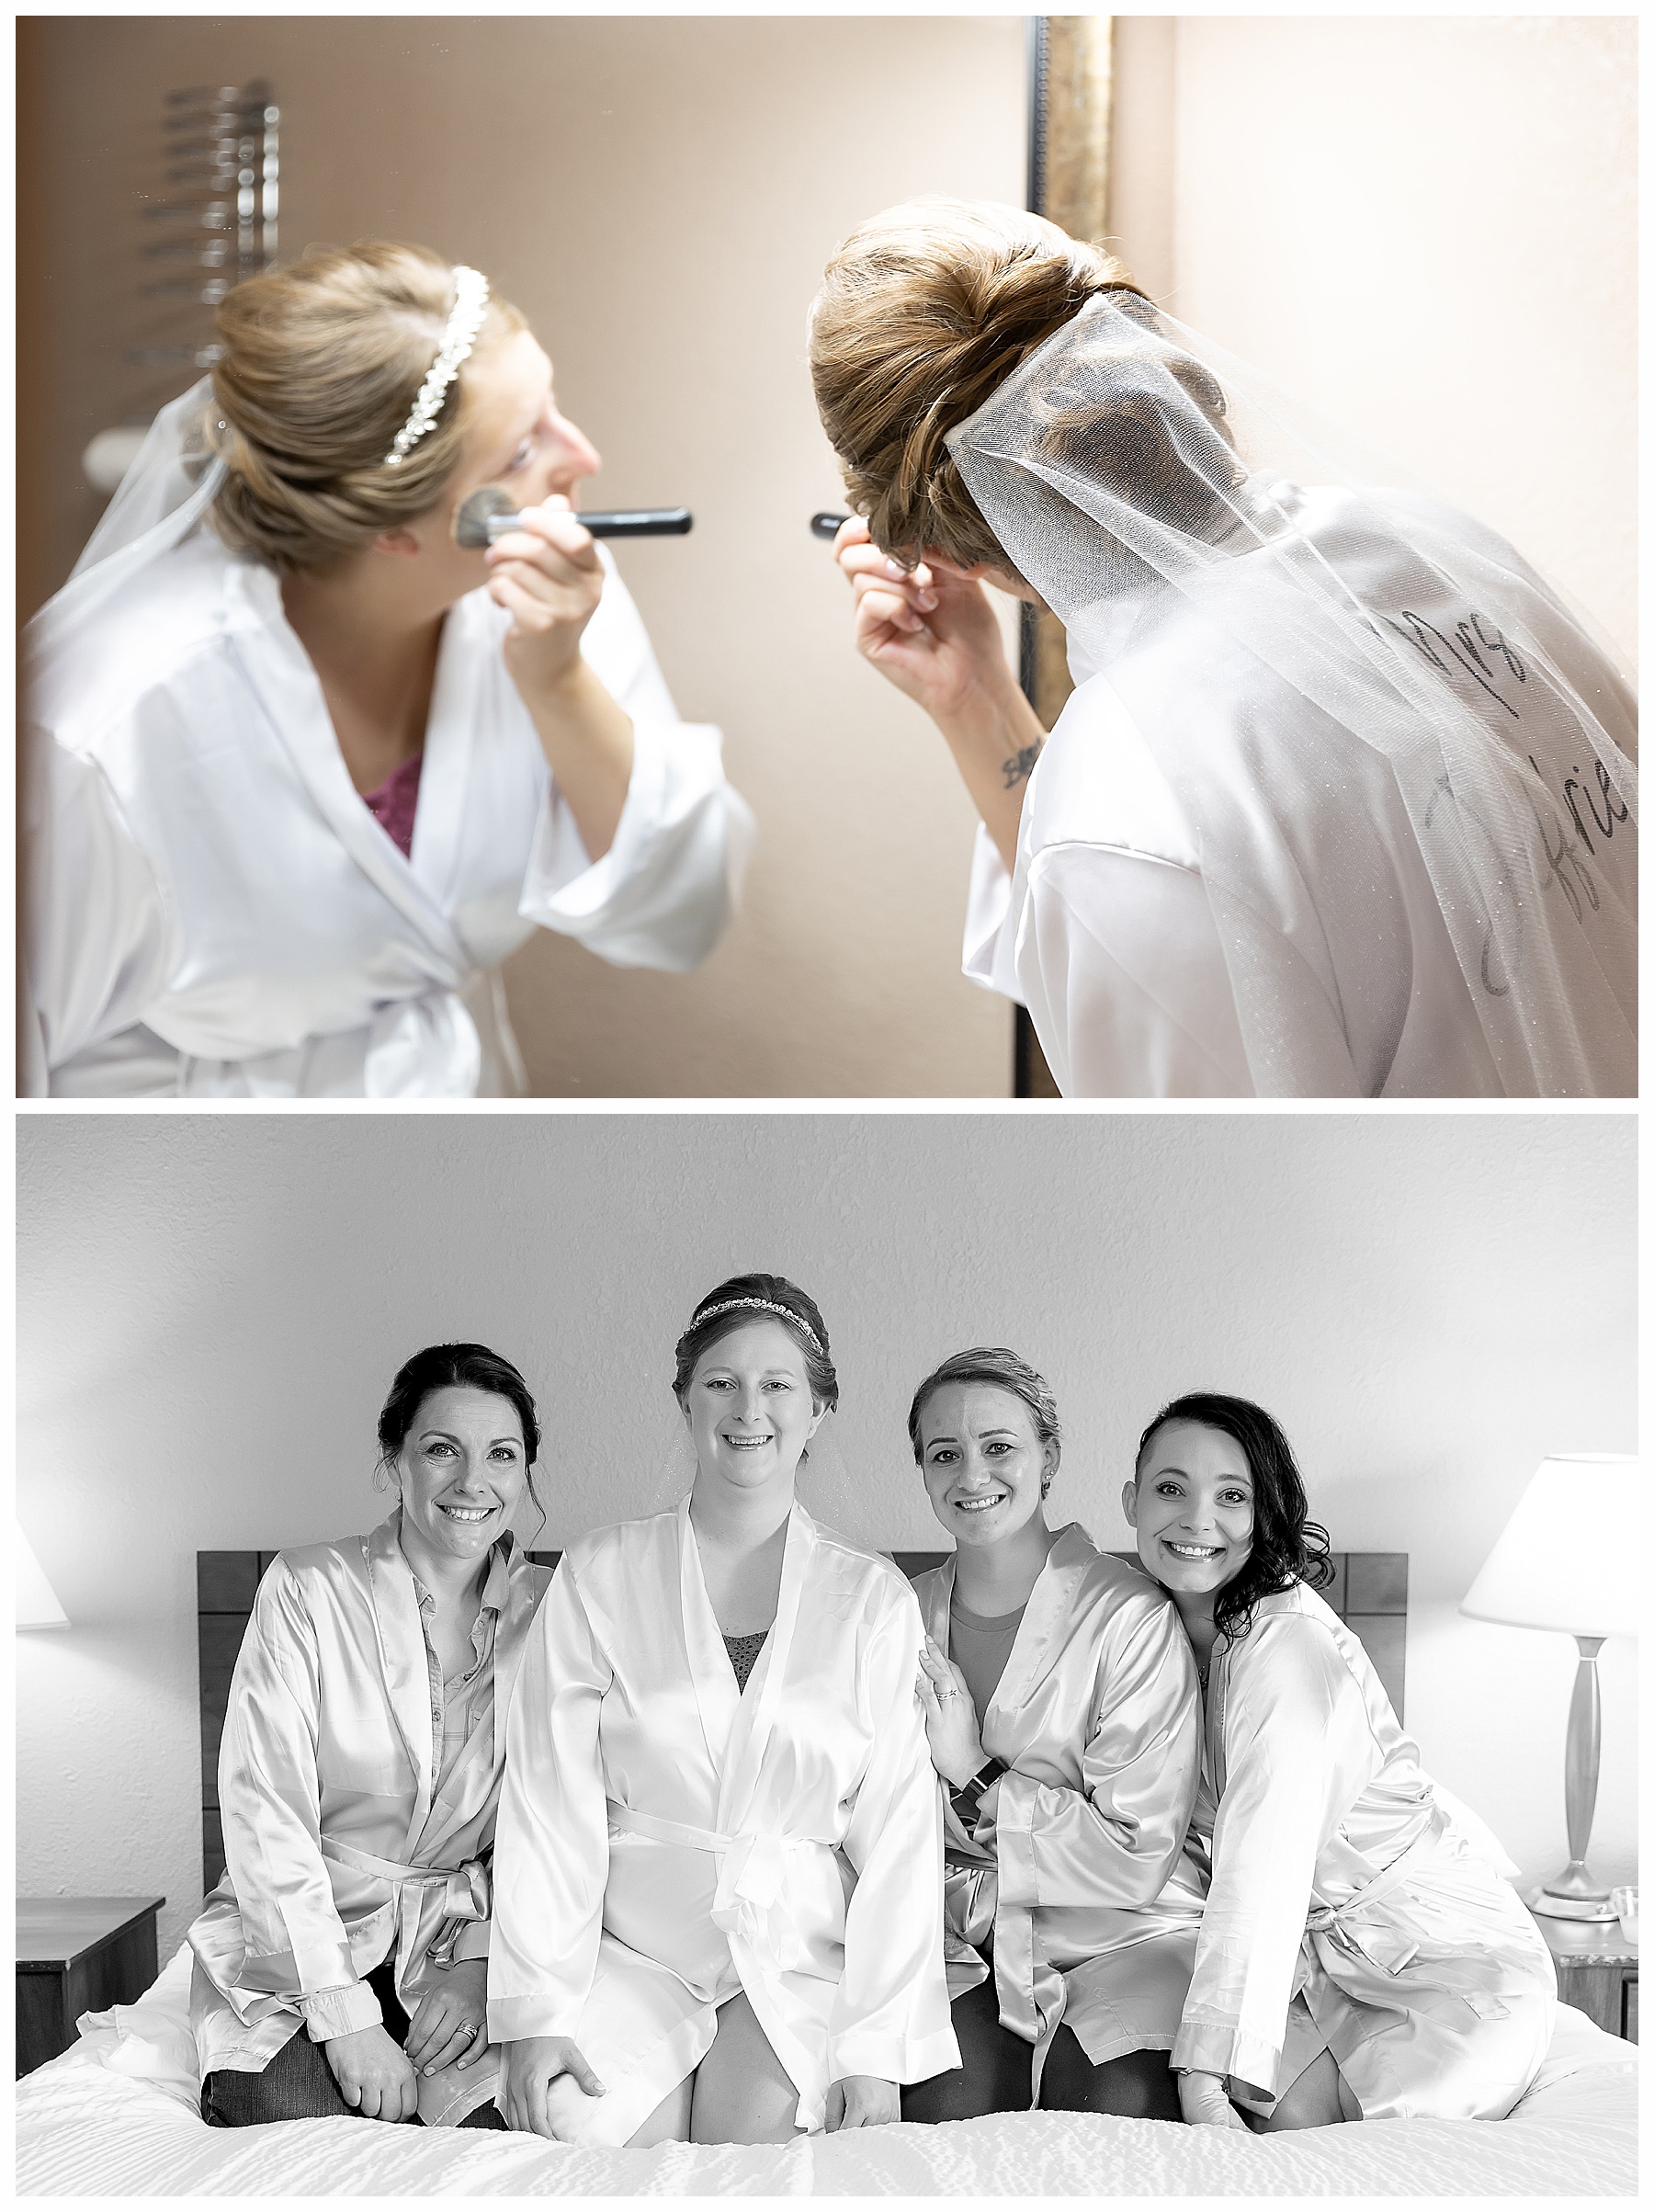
<point>78,1955</point>
<point>1596,1971</point>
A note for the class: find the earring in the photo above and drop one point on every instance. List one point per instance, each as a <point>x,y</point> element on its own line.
<point>1045,1485</point>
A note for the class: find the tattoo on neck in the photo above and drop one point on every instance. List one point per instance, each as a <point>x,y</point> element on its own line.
<point>1020,766</point>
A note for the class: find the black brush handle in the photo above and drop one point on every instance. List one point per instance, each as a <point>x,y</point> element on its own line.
<point>826,526</point>
<point>638,522</point>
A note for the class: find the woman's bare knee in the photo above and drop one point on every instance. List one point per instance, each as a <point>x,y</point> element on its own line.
<point>669,2122</point>
<point>743,2092</point>
<point>1312,2101</point>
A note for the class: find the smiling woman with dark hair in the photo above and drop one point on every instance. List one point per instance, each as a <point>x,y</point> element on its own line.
<point>1063,1717</point>
<point>341,1964</point>
<point>1358,1957</point>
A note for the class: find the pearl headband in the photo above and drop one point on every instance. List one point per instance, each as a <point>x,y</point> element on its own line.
<point>761,1305</point>
<point>465,319</point>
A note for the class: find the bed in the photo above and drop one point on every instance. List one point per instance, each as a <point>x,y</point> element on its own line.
<point>118,2114</point>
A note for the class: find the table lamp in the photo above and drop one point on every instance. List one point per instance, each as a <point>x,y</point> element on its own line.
<point>1569,1561</point>
<point>36,1599</point>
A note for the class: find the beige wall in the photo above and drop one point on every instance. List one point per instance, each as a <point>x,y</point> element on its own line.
<point>658,195</point>
<point>212,1307</point>
<point>1428,226</point>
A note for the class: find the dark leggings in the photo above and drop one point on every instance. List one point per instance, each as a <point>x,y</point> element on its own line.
<point>998,2071</point>
<point>298,2083</point>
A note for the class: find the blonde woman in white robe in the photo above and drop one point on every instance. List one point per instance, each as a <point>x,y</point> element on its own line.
<point>718,1864</point>
<point>1359,1958</point>
<point>1345,802</point>
<point>303,771</point>
<point>1064,1717</point>
<point>341,1964</point>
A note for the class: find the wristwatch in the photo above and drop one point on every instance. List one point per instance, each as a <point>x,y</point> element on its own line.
<point>967,1799</point>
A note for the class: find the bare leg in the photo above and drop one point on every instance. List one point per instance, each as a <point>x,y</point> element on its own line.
<point>669,2122</point>
<point>1315,2100</point>
<point>743,2092</point>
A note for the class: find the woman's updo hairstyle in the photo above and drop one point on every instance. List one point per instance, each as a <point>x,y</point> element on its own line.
<point>1287,1547</point>
<point>320,367</point>
<point>991,1364</point>
<point>446,1367</point>
<point>923,312</point>
<point>758,1297</point>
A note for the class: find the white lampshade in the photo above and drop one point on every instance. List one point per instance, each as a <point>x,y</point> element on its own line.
<point>37,1601</point>
<point>1569,1557</point>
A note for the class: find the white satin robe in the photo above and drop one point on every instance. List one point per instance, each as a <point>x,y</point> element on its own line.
<point>666,1842</point>
<point>214,913</point>
<point>1106,932</point>
<point>1079,1874</point>
<point>1338,1876</point>
<point>328,1750</point>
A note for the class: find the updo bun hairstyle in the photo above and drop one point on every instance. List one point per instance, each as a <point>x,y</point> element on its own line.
<point>775,1299</point>
<point>447,1366</point>
<point>320,367</point>
<point>1004,1370</point>
<point>922,313</point>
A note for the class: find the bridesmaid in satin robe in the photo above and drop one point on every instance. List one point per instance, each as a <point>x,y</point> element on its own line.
<point>1359,1957</point>
<point>1063,1715</point>
<point>719,1904</point>
<point>341,1964</point>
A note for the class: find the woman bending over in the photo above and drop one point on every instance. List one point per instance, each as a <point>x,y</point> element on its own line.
<point>719,1858</point>
<point>341,1964</point>
<point>1359,1958</point>
<point>1064,1716</point>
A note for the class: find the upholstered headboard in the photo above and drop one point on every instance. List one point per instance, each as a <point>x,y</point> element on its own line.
<point>1368,1590</point>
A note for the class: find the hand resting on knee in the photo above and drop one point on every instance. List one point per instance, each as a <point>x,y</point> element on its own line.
<point>862,2101</point>
<point>548,2083</point>
<point>373,2073</point>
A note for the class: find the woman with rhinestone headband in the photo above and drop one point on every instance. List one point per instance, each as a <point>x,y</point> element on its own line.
<point>304,770</point>
<point>1343,803</point>
<point>717,1869</point>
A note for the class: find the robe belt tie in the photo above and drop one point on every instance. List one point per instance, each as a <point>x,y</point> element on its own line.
<point>751,1898</point>
<point>1391,1938</point>
<point>467,1893</point>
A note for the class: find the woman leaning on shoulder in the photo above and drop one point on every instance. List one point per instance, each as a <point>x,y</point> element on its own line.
<point>1359,1958</point>
<point>1064,1718</point>
<point>305,769</point>
<point>341,1964</point>
<point>719,1877</point>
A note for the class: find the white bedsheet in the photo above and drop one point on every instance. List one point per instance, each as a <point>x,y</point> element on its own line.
<point>117,2116</point>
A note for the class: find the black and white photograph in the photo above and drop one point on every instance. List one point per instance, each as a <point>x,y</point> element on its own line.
<point>826,1106</point>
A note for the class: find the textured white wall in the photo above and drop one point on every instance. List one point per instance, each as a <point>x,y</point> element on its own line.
<point>211,1307</point>
<point>1427,225</point>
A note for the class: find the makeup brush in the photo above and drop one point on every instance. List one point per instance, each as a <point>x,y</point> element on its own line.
<point>488,514</point>
<point>826,526</point>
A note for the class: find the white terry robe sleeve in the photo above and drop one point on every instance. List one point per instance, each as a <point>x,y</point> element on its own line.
<point>1117,957</point>
<point>1299,1751</point>
<point>551,1832</point>
<point>101,939</point>
<point>662,894</point>
<point>890,2016</point>
<point>270,1796</point>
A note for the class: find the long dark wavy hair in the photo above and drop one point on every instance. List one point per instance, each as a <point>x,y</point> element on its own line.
<point>1287,1547</point>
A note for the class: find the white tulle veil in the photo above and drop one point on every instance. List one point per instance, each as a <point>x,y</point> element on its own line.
<point>1139,477</point>
<point>164,495</point>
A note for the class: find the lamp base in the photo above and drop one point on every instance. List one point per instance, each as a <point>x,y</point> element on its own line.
<point>1557,1906</point>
